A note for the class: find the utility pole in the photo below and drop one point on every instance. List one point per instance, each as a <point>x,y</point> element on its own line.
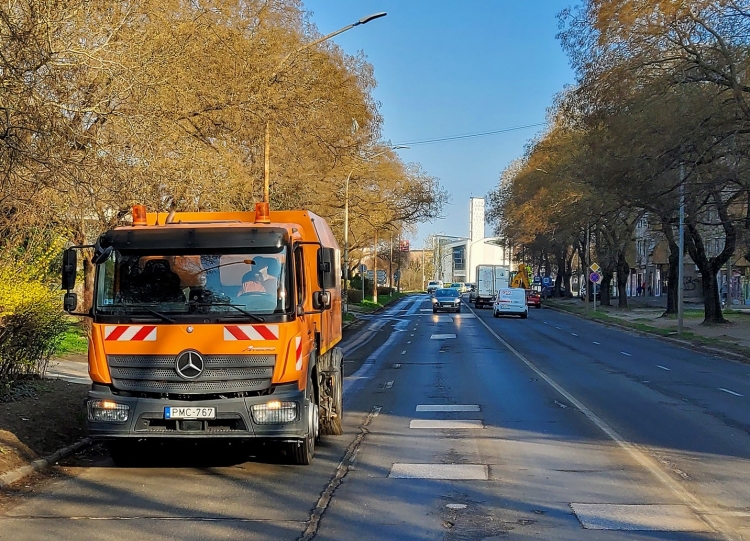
<point>681,245</point>
<point>375,270</point>
<point>587,263</point>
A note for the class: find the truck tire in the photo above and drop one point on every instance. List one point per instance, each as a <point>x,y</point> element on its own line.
<point>301,452</point>
<point>333,426</point>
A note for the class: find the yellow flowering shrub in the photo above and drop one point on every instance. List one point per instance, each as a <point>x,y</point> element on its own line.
<point>31,322</point>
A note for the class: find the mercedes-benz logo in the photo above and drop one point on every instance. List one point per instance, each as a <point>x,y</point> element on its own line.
<point>189,364</point>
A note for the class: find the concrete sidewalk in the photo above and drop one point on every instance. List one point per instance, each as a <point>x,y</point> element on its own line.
<point>74,369</point>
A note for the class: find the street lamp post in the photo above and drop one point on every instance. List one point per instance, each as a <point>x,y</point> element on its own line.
<point>267,153</point>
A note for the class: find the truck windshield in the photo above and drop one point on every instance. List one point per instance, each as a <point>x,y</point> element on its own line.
<point>231,284</point>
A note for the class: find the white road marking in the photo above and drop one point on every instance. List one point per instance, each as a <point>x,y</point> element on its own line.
<point>546,323</point>
<point>442,336</point>
<point>663,518</point>
<point>626,353</point>
<point>710,515</point>
<point>408,342</point>
<point>448,407</point>
<point>597,343</point>
<point>454,472</point>
<point>730,392</point>
<point>403,352</point>
<point>445,423</point>
<point>412,334</point>
<point>574,334</point>
<point>556,327</point>
<point>396,365</point>
<point>389,385</point>
<point>664,368</point>
<point>456,506</point>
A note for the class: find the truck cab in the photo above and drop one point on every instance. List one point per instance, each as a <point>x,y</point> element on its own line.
<point>215,325</point>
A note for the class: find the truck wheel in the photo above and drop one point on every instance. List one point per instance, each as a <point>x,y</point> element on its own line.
<point>301,452</point>
<point>332,426</point>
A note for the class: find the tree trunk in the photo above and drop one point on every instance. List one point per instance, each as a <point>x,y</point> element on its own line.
<point>708,269</point>
<point>623,271</point>
<point>673,273</point>
<point>605,288</point>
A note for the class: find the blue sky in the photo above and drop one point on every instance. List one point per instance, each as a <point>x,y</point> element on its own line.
<point>454,68</point>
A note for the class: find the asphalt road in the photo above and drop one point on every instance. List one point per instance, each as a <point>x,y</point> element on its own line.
<point>457,427</point>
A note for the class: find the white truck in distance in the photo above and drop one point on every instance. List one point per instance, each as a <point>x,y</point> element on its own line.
<point>490,279</point>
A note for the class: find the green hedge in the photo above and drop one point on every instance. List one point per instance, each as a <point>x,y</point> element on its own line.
<point>31,324</point>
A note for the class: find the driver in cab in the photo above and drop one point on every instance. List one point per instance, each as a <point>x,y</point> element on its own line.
<point>260,278</point>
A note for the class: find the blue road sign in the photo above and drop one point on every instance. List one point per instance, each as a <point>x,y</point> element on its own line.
<point>595,277</point>
<point>546,281</point>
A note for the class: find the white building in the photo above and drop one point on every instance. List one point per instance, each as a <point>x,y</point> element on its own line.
<point>457,260</point>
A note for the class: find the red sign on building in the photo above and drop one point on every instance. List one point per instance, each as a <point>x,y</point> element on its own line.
<point>403,246</point>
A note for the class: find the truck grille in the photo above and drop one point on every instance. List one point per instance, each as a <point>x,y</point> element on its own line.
<point>221,374</point>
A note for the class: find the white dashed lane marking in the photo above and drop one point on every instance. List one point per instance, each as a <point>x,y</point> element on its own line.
<point>626,353</point>
<point>730,392</point>
<point>574,334</point>
<point>664,368</point>
<point>445,423</point>
<point>442,336</point>
<point>597,343</point>
<point>448,407</point>
<point>455,472</point>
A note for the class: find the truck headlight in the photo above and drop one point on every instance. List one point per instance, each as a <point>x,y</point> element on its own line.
<point>274,412</point>
<point>107,411</point>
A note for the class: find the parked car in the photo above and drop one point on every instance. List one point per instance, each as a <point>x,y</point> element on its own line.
<point>511,301</point>
<point>433,285</point>
<point>446,298</point>
<point>533,298</point>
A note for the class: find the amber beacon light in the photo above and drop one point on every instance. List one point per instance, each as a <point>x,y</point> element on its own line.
<point>262,213</point>
<point>139,214</point>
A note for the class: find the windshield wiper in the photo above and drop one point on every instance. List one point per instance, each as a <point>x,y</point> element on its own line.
<point>249,314</point>
<point>160,315</point>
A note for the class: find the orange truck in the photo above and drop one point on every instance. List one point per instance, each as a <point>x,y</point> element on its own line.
<point>214,325</point>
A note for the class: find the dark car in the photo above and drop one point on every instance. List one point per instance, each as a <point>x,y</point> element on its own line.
<point>533,298</point>
<point>446,299</point>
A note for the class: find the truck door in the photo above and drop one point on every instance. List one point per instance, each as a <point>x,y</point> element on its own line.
<point>302,289</point>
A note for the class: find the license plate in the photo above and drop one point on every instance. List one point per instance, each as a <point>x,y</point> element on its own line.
<point>189,413</point>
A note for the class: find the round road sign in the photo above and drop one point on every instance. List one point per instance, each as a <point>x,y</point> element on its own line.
<point>595,277</point>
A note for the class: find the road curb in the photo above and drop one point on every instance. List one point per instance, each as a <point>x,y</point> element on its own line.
<point>43,463</point>
<point>682,343</point>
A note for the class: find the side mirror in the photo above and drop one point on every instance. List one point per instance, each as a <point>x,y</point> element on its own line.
<point>321,300</point>
<point>70,302</point>
<point>101,257</point>
<point>69,268</point>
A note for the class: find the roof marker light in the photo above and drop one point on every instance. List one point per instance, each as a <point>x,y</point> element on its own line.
<point>139,215</point>
<point>262,213</point>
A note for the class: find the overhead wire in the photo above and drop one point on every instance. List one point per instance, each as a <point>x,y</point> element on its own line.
<point>469,135</point>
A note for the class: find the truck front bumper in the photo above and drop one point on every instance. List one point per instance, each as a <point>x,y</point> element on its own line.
<point>234,419</point>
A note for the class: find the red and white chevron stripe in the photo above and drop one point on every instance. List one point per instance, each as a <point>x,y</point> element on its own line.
<point>298,346</point>
<point>130,333</point>
<point>251,332</point>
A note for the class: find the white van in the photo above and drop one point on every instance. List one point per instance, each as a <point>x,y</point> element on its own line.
<point>511,301</point>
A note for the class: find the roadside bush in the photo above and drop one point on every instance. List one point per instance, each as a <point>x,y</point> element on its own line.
<point>31,324</point>
<point>354,296</point>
